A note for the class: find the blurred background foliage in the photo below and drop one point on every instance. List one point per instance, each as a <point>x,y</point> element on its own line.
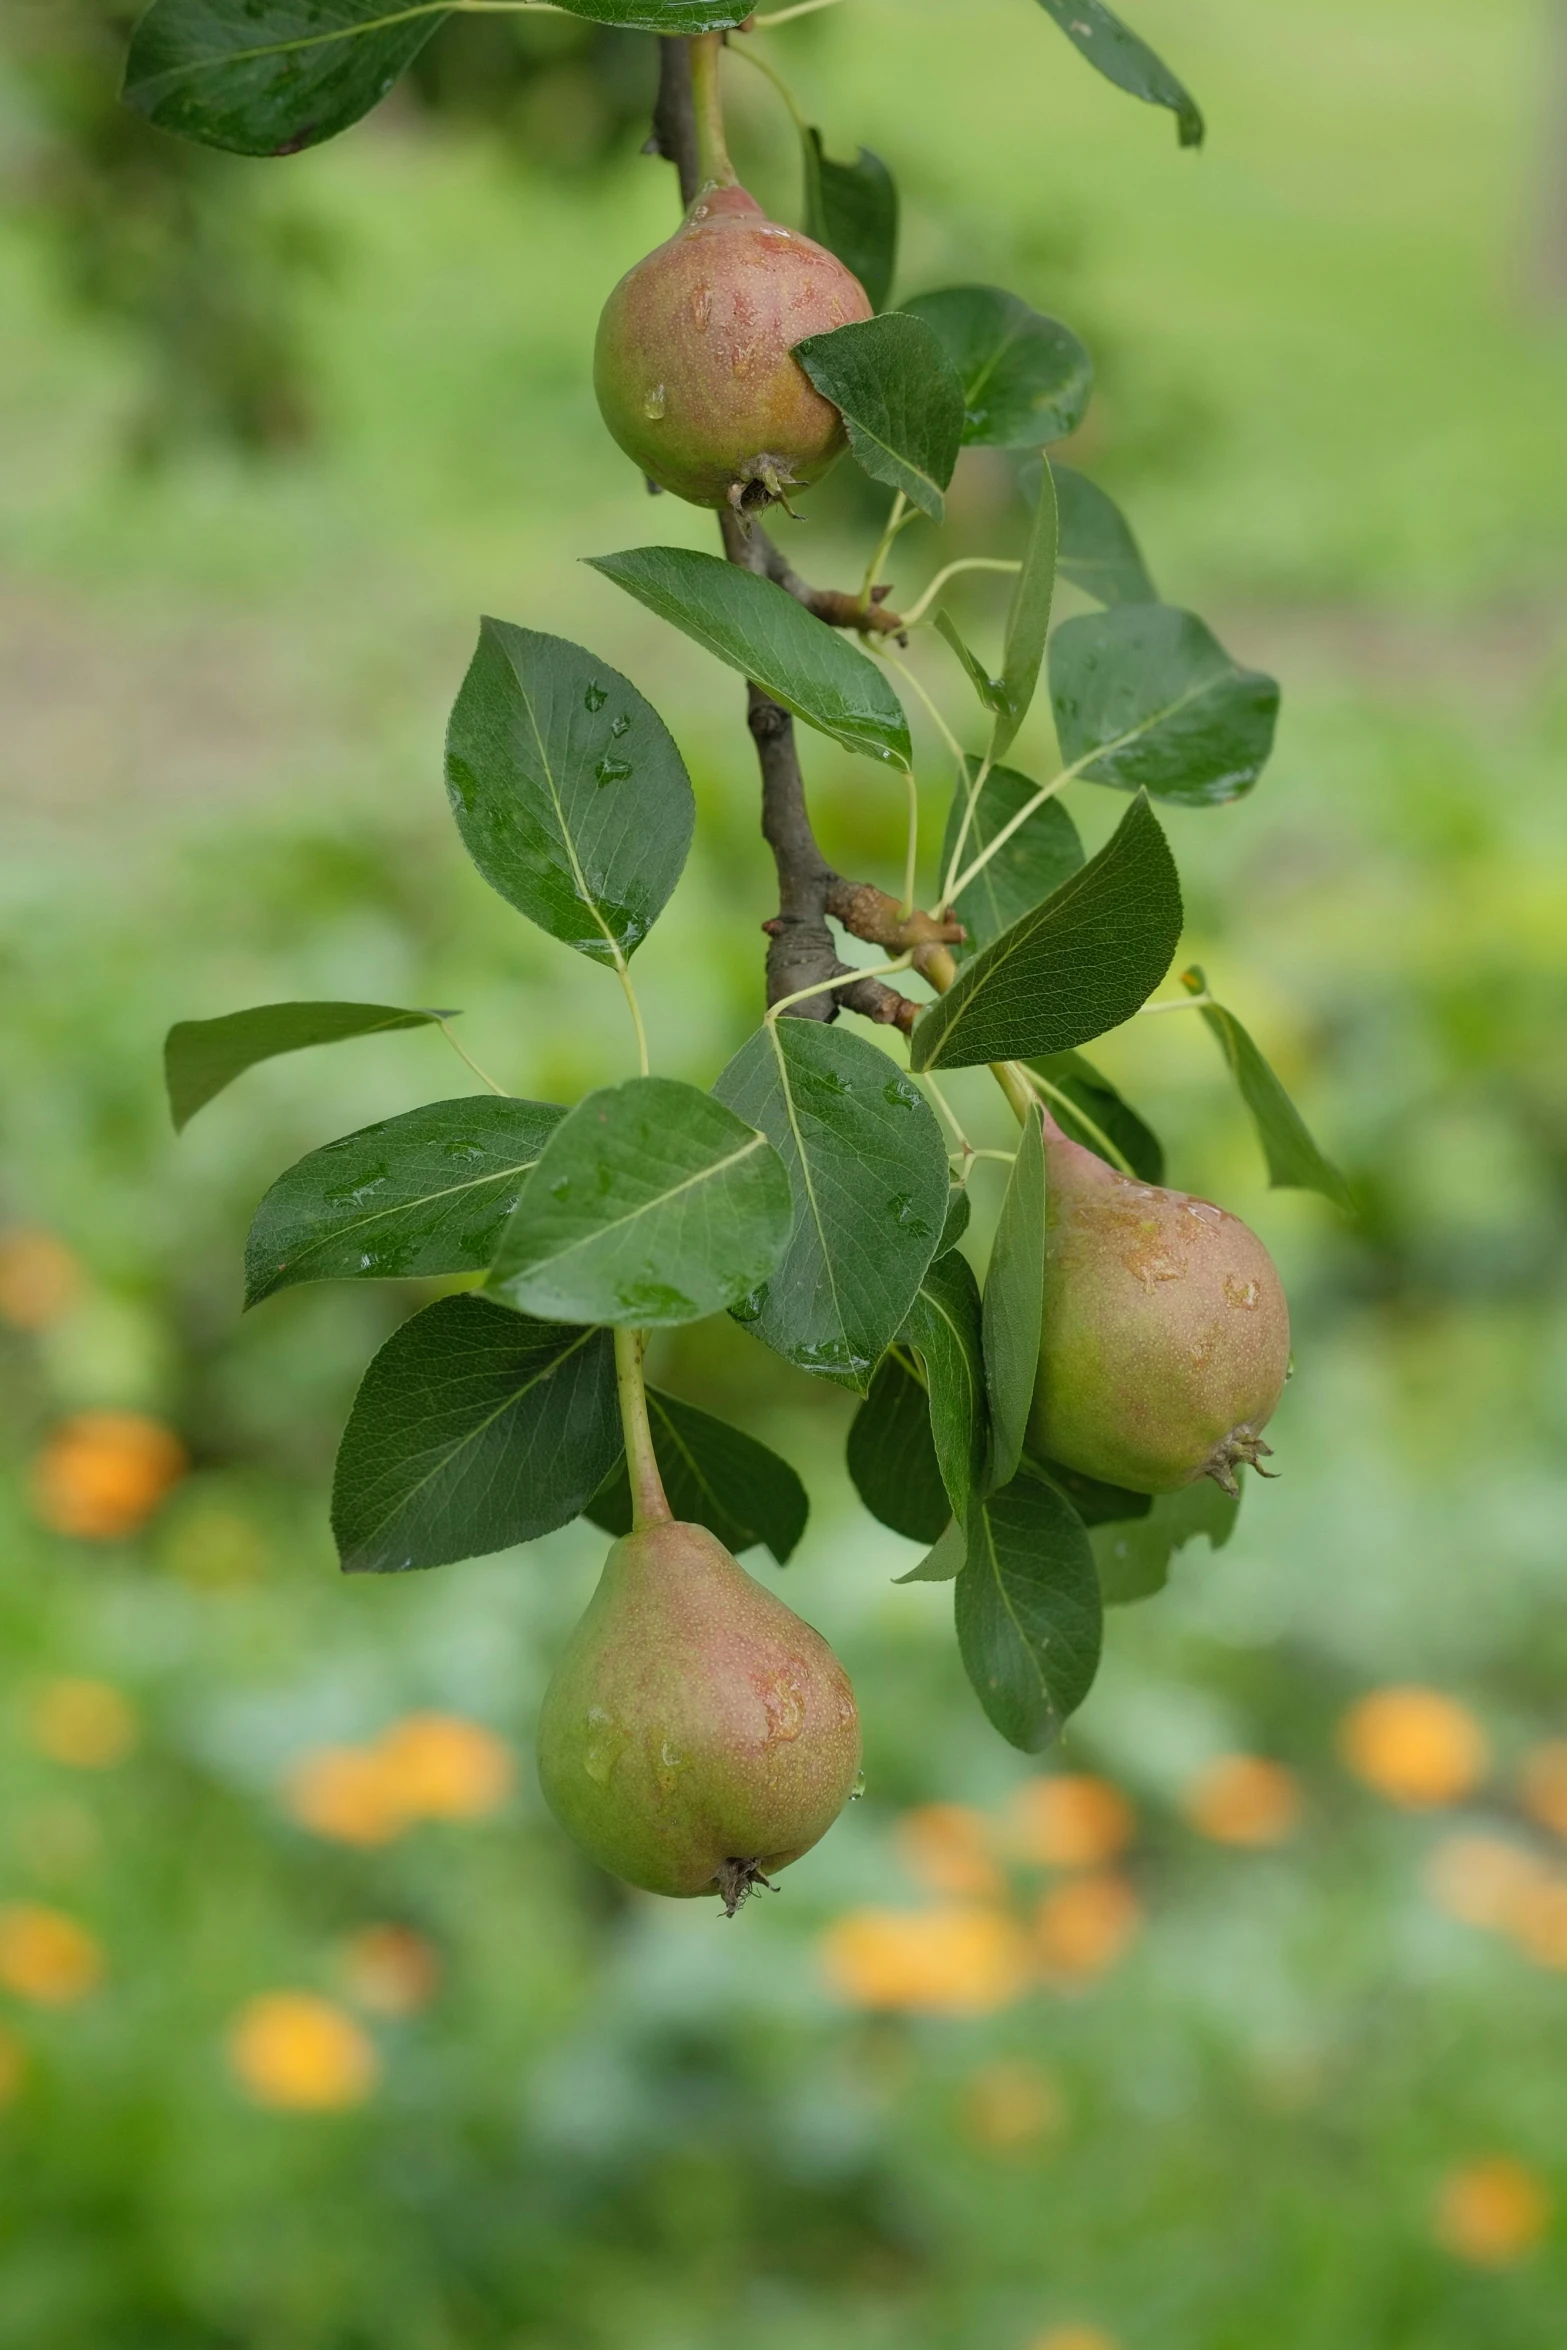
<point>1235,2020</point>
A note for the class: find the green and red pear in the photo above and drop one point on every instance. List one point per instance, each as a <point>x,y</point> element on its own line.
<point>696,1736</point>
<point>694,365</point>
<point>1166,1339</point>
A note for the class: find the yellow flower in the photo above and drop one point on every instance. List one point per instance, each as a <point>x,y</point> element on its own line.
<point>1415,1746</point>
<point>1244,1799</point>
<point>293,2050</point>
<point>345,1792</point>
<point>1492,2214</point>
<point>1543,1784</point>
<point>86,1724</point>
<point>40,1280</point>
<point>1082,1927</point>
<point>391,1969</point>
<point>926,1962</point>
<point>1010,2104</point>
<point>1070,1822</point>
<point>1482,1880</point>
<point>46,1956</point>
<point>946,1848</point>
<point>101,1475</point>
<point>1539,1921</point>
<point>439,1767</point>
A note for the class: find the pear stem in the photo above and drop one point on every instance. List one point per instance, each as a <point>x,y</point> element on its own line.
<point>649,1502</point>
<point>714,168</point>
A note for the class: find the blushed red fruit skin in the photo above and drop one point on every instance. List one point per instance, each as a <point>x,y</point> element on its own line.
<point>705,327</point>
<point>694,1720</point>
<point>1166,1328</point>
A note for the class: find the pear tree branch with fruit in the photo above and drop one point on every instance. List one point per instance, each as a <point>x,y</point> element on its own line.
<point>1052,1435</point>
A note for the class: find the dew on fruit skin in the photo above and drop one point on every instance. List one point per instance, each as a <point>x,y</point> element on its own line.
<point>654,403</point>
<point>1204,1211</point>
<point>595,697</point>
<point>606,1742</point>
<point>1246,1296</point>
<point>701,309</point>
<point>783,1702</point>
<point>858,1789</point>
<point>611,770</point>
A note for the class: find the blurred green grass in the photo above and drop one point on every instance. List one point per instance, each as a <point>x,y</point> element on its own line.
<point>1332,392</point>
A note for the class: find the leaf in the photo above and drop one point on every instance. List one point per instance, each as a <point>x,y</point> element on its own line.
<point>1076,966</point>
<point>1028,620</point>
<point>272,76</point>
<point>892,1459</point>
<point>652,1205</point>
<point>1092,1094</point>
<point>1030,1620</point>
<point>568,790</point>
<point>1044,852</point>
<point>942,1561</point>
<point>473,1429</point>
<point>868,1170</point>
<point>1096,1503</point>
<point>1026,378</point>
<point>944,1329</point>
<point>761,630</point>
<point>714,1476</point>
<point>1114,50</point>
<point>985,686</point>
<point>900,399</point>
<point>201,1057</point>
<point>959,1209</point>
<point>1134,1558</point>
<point>1014,1304</point>
<point>1147,699</point>
<point>424,1194</point>
<point>1098,552</point>
<point>852,209</point>
<point>1294,1161</point>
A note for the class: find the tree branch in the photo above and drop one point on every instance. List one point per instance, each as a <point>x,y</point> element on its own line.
<point>800,950</point>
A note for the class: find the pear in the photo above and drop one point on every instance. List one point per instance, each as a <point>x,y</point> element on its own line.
<point>696,1736</point>
<point>693,365</point>
<point>1166,1331</point>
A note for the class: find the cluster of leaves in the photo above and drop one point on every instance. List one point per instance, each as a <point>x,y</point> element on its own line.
<point>808,1194</point>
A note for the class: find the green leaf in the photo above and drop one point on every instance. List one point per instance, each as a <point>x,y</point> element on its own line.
<point>474,1428</point>
<point>944,1329</point>
<point>568,790</point>
<point>1028,619</point>
<point>1134,1557</point>
<point>1076,966</point>
<point>900,399</point>
<point>761,630</point>
<point>1015,1303</point>
<point>714,1476</point>
<point>652,1205</point>
<point>1096,1503</point>
<point>424,1194</point>
<point>1091,1103</point>
<point>1026,378</point>
<point>959,1209</point>
<point>868,1171</point>
<point>1294,1161</point>
<point>852,209</point>
<point>892,1458</point>
<point>1114,50</point>
<point>1044,852</point>
<point>270,76</point>
<point>942,1561</point>
<point>1147,699</point>
<point>985,686</point>
<point>1098,552</point>
<point>201,1057</point>
<point>1030,1620</point>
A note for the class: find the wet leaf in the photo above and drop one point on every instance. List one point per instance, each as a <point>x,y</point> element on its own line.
<point>201,1057</point>
<point>1113,49</point>
<point>900,400</point>
<point>1294,1161</point>
<point>892,1458</point>
<point>1028,620</point>
<point>1094,1113</point>
<point>1098,552</point>
<point>868,1171</point>
<point>944,1329</point>
<point>1147,699</point>
<point>1134,1556</point>
<point>1030,1620</point>
<point>713,1476</point>
<point>1014,1304</point>
<point>1045,851</point>
<point>852,209</point>
<point>1026,378</point>
<point>652,1205</point>
<point>474,1428</point>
